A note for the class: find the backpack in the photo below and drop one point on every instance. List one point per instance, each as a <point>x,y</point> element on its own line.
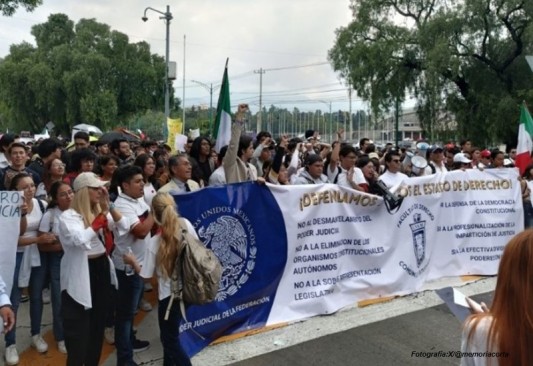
<point>199,270</point>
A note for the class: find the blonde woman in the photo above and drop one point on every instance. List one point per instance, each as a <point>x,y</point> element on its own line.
<point>164,249</point>
<point>86,271</point>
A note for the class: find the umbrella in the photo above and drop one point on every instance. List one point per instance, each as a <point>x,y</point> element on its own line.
<point>107,137</point>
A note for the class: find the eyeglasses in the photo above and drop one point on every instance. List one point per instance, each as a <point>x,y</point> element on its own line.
<point>59,165</point>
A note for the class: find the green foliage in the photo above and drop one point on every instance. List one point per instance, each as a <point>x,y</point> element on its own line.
<point>78,73</point>
<point>8,7</point>
<point>465,57</point>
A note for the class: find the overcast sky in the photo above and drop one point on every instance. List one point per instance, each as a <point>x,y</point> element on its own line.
<point>254,34</point>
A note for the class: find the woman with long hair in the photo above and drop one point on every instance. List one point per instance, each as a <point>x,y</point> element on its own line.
<point>54,171</point>
<point>28,270</point>
<point>151,185</point>
<point>370,174</point>
<point>508,326</point>
<point>61,197</point>
<point>202,163</point>
<point>86,270</point>
<point>107,166</point>
<point>161,256</point>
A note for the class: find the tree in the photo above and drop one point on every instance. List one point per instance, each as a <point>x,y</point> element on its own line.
<point>464,56</point>
<point>8,7</point>
<point>79,73</point>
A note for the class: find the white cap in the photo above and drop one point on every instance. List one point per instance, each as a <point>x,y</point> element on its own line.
<point>461,158</point>
<point>87,179</point>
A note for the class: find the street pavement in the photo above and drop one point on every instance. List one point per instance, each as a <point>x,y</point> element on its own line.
<point>379,332</point>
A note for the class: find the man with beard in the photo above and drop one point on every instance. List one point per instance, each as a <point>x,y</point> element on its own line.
<point>122,150</point>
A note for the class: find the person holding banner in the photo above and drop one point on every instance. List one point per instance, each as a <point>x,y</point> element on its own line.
<point>161,257</point>
<point>312,173</point>
<point>507,328</point>
<point>392,177</point>
<point>7,316</point>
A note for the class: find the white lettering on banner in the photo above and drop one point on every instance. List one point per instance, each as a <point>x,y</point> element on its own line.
<point>344,247</point>
<point>225,314</point>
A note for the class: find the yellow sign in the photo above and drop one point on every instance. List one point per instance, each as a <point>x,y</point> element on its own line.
<point>174,127</point>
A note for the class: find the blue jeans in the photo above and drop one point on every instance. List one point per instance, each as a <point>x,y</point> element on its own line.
<point>51,264</point>
<point>129,290</point>
<point>169,331</point>
<point>37,279</point>
<point>11,336</point>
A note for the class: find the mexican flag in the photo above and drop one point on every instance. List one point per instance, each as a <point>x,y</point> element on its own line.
<point>525,139</point>
<point>222,127</point>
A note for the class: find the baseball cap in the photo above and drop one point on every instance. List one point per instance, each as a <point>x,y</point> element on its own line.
<point>485,153</point>
<point>87,179</point>
<point>461,158</point>
<point>373,155</point>
<point>436,149</point>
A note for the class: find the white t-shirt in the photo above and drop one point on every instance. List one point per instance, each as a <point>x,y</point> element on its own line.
<point>133,210</point>
<point>50,221</point>
<point>392,180</point>
<point>149,267</point>
<point>358,177</point>
<point>149,193</point>
<point>33,220</point>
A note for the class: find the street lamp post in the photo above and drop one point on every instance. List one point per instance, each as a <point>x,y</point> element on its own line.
<point>167,16</point>
<point>210,89</point>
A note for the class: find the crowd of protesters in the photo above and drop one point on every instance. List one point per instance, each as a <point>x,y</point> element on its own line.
<point>90,216</point>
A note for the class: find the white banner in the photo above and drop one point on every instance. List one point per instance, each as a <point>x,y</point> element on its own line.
<point>345,247</point>
<point>10,203</point>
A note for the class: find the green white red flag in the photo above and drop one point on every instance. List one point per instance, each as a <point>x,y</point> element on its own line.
<point>525,139</point>
<point>222,127</point>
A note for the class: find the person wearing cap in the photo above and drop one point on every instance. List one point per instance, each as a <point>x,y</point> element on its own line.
<point>461,161</point>
<point>312,172</point>
<point>484,159</point>
<point>436,161</point>
<point>86,273</point>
